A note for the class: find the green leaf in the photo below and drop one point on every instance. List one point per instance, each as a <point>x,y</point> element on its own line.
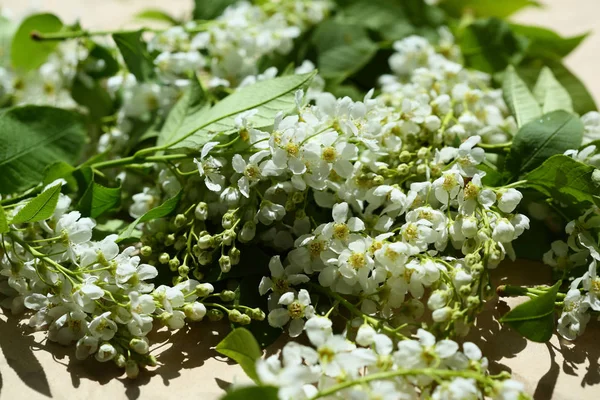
<point>252,393</point>
<point>583,101</point>
<point>486,8</point>
<point>534,319</point>
<point>3,222</point>
<point>134,52</point>
<point>552,134</point>
<point>28,54</point>
<point>32,139</point>
<point>183,113</point>
<point>490,46</point>
<point>343,49</point>
<point>100,63</point>
<point>164,210</point>
<point>519,98</point>
<point>210,9</point>
<point>565,180</point>
<point>7,29</point>
<point>90,94</point>
<point>270,97</point>
<point>99,199</point>
<point>551,94</point>
<point>157,15</point>
<point>39,208</point>
<point>241,347</point>
<point>546,43</point>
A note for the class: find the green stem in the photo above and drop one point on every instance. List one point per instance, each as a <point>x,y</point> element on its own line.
<point>439,373</point>
<point>138,159</point>
<point>496,146</point>
<point>516,184</point>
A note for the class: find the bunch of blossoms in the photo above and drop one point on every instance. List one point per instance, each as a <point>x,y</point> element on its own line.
<point>50,84</point>
<point>225,53</point>
<point>442,102</point>
<point>90,292</point>
<point>374,367</point>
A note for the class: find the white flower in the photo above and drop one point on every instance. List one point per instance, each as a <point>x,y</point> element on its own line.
<point>142,203</point>
<point>75,231</point>
<point>469,156</point>
<point>508,199</point>
<point>574,317</point>
<point>85,346</point>
<point>251,172</point>
<point>297,308</point>
<point>447,187</point>
<point>423,352</point>
<point>504,231</point>
<point>591,283</point>
<point>195,311</point>
<point>209,167</point>
<point>270,212</point>
<point>106,352</point>
<point>281,278</point>
<point>102,327</point>
<point>356,262</point>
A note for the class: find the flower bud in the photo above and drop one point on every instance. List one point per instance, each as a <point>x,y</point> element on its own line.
<point>198,275</point>
<point>403,169</point>
<point>228,237</point>
<point>201,211</point>
<point>164,258</point>
<point>194,311</point>
<point>183,270</point>
<point>169,240</point>
<point>228,220</point>
<point>180,220</point>
<point>257,314</point>
<point>244,320</point>
<point>205,241</point>
<point>378,180</point>
<point>437,299</point>
<point>441,314</point>
<point>234,315</point>
<point>214,315</point>
<point>180,243</point>
<point>132,369</point>
<point>205,258</point>
<point>146,251</point>
<point>421,169</point>
<point>150,361</point>
<point>225,263</point>
<point>120,361</point>
<point>227,295</point>
<point>140,346</point>
<point>423,153</point>
<point>405,156</point>
<point>234,255</point>
<point>106,352</point>
<point>248,232</point>
<point>204,289</point>
<point>365,335</point>
<point>174,264</point>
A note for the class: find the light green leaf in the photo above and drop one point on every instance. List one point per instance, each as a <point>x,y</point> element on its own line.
<point>99,199</point>
<point>28,54</point>
<point>183,113</point>
<point>243,348</point>
<point>546,43</point>
<point>32,139</point>
<point>269,97</point>
<point>134,52</point>
<point>3,222</point>
<point>252,393</point>
<point>157,15</point>
<point>565,180</point>
<point>519,98</point>
<point>552,134</point>
<point>164,210</point>
<point>551,94</point>
<point>486,8</point>
<point>7,29</point>
<point>534,319</point>
<point>39,208</point>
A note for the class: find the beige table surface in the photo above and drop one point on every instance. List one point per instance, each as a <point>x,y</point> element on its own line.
<point>31,368</point>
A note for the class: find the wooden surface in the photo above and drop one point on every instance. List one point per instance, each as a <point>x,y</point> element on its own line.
<point>32,368</point>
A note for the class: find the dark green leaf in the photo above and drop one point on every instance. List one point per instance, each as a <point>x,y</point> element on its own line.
<point>551,94</point>
<point>546,43</point>
<point>3,222</point>
<point>100,63</point>
<point>99,199</point>
<point>270,97</point>
<point>519,98</point>
<point>492,177</point>
<point>486,8</point>
<point>134,52</point>
<point>490,46</point>
<point>565,180</point>
<point>242,347</point>
<point>39,208</point>
<point>252,393</point>
<point>28,54</point>
<point>388,18</point>
<point>32,139</point>
<point>552,134</point>
<point>189,106</point>
<point>534,319</point>
<point>210,9</point>
<point>157,15</point>
<point>164,210</point>
<point>56,171</point>
<point>90,94</point>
